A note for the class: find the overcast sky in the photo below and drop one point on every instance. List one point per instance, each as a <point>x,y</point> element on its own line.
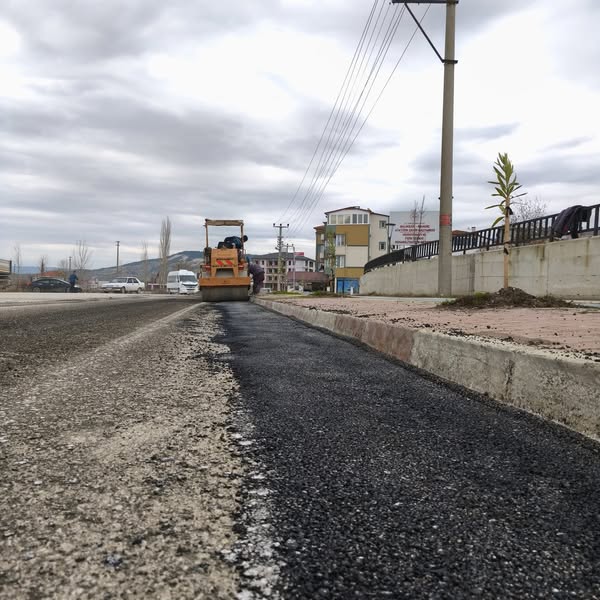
<point>120,113</point>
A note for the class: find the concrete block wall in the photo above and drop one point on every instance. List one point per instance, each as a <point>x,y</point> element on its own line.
<point>566,268</point>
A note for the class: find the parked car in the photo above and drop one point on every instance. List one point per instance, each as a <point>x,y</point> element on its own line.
<point>51,284</point>
<point>123,285</point>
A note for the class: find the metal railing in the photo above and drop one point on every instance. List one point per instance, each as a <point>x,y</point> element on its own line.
<point>523,232</point>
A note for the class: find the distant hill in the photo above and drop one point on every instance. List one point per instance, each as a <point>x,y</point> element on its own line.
<point>188,259</point>
<point>24,270</point>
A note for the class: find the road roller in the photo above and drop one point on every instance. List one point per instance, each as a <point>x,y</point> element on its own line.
<point>224,275</point>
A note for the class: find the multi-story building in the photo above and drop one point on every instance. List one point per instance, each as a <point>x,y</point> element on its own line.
<point>294,265</point>
<point>347,240</point>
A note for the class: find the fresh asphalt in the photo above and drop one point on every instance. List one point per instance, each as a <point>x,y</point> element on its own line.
<point>384,483</point>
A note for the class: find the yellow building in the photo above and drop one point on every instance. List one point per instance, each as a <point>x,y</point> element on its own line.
<point>347,240</point>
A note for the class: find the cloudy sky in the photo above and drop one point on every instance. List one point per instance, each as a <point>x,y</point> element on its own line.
<point>120,113</point>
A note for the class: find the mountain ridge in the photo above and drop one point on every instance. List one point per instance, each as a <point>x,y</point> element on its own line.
<point>187,259</point>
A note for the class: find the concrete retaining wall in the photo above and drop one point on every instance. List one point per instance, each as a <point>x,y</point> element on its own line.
<point>562,389</point>
<point>567,268</point>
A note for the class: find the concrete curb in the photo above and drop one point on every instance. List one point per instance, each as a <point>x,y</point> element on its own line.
<point>565,390</point>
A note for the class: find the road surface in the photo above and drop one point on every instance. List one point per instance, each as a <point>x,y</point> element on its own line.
<point>165,448</point>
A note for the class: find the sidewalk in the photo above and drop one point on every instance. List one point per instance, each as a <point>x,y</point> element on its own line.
<point>574,332</point>
<point>545,361</point>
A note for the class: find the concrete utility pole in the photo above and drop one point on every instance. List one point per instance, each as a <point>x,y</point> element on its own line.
<point>390,231</point>
<point>118,243</point>
<point>294,266</point>
<point>287,250</point>
<point>279,248</point>
<point>445,247</point>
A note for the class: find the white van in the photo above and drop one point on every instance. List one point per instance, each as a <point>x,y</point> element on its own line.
<point>182,282</point>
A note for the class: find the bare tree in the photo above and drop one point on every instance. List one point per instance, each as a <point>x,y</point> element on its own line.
<point>416,221</point>
<point>82,257</point>
<point>164,248</point>
<point>145,265</point>
<point>43,264</point>
<point>63,267</point>
<point>529,208</point>
<point>17,263</point>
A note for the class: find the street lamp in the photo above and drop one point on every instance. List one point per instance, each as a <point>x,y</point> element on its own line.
<point>390,230</point>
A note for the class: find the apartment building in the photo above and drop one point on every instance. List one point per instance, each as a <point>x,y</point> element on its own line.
<point>348,239</point>
<point>293,264</point>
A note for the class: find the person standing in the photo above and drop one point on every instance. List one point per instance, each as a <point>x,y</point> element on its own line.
<point>73,279</point>
<point>258,277</point>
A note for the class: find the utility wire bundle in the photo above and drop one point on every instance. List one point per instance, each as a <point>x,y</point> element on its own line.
<point>351,110</point>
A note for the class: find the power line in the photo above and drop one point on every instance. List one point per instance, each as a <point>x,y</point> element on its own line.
<point>340,118</point>
<point>332,161</point>
<point>348,72</point>
<point>341,122</point>
<point>364,121</point>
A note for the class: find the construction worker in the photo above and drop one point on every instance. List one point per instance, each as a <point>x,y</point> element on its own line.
<point>233,241</point>
<point>258,277</point>
<point>73,279</point>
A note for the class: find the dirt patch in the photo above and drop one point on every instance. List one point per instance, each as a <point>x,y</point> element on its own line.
<point>506,298</point>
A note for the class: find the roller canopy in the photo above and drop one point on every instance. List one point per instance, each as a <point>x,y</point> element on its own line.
<point>224,222</point>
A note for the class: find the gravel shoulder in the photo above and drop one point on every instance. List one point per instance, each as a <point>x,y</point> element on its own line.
<point>119,473</point>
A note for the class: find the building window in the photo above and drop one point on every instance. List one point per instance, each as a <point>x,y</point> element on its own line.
<point>349,219</point>
<point>382,224</point>
<point>340,261</point>
<point>382,245</point>
<point>340,239</point>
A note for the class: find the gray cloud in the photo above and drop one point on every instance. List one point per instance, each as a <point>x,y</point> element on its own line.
<point>95,156</point>
<point>561,168</point>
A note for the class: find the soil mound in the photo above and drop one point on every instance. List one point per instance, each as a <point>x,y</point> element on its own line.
<point>506,298</point>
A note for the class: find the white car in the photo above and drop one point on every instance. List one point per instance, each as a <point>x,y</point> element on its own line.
<point>124,285</point>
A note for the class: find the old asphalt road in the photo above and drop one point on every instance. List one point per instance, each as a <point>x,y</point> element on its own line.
<point>164,448</point>
<point>381,483</point>
<point>118,478</point>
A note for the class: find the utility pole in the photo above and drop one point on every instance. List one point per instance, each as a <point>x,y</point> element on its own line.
<point>279,248</point>
<point>294,266</point>
<point>445,244</point>
<point>118,243</point>
<point>390,231</point>
<point>287,250</point>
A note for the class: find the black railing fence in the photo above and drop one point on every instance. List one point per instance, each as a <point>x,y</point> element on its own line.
<point>587,220</point>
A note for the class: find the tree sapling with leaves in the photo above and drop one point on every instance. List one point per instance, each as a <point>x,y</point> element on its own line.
<point>505,185</point>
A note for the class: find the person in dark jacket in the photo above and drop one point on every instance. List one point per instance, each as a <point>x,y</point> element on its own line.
<point>73,279</point>
<point>233,241</point>
<point>258,277</point>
